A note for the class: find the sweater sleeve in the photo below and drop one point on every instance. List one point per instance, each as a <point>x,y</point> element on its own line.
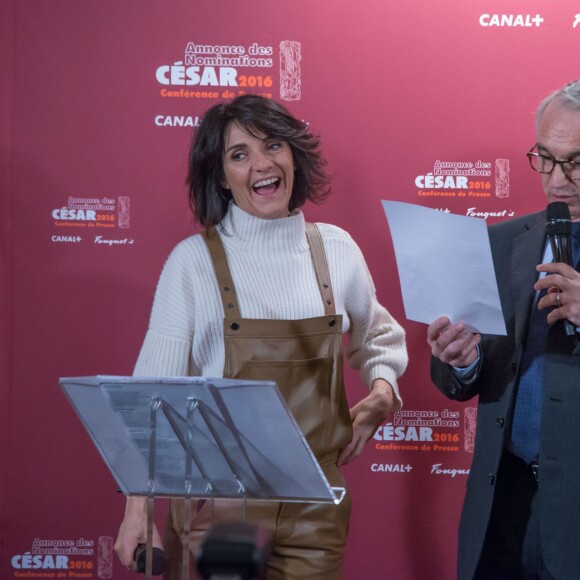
<point>166,350</point>
<point>377,346</point>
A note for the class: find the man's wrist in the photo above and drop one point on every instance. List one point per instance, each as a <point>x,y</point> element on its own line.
<point>469,373</point>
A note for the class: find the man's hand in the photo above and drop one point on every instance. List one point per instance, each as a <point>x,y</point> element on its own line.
<point>563,284</point>
<point>451,343</point>
<point>367,415</point>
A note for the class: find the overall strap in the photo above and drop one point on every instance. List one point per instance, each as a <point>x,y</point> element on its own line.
<point>226,283</point>
<point>223,274</point>
<point>320,267</point>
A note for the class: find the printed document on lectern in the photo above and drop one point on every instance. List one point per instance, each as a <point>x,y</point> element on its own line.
<point>445,267</point>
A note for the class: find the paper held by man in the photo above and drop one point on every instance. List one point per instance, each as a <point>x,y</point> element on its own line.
<point>445,267</point>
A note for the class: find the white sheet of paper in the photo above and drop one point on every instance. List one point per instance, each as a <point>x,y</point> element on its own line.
<point>445,267</point>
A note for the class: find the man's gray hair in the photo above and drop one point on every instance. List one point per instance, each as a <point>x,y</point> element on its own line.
<point>567,97</point>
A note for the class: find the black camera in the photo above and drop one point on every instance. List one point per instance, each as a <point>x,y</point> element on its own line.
<point>235,550</point>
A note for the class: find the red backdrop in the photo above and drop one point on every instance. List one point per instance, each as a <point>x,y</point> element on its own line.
<point>426,102</point>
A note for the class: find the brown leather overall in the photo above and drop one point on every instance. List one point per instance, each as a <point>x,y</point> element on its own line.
<point>304,357</point>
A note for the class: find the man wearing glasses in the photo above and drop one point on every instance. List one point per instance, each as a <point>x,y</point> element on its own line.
<point>508,529</point>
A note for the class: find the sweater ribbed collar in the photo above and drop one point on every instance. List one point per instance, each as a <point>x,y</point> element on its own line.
<point>243,229</point>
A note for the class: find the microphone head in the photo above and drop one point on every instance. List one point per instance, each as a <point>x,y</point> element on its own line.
<point>558,220</point>
<point>158,560</point>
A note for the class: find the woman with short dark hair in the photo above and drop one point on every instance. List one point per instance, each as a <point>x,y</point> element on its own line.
<point>282,299</point>
<point>208,199</point>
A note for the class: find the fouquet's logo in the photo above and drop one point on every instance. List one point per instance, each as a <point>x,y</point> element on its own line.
<point>439,469</point>
<point>485,214</point>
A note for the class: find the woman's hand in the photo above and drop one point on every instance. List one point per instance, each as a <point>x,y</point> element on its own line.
<point>367,415</point>
<point>133,531</point>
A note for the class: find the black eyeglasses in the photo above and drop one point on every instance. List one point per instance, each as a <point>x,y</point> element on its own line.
<point>544,164</point>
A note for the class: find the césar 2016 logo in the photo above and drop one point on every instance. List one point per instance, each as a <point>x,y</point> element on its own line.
<point>28,561</point>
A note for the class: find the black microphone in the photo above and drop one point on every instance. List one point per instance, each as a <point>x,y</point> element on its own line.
<point>158,560</point>
<point>559,229</point>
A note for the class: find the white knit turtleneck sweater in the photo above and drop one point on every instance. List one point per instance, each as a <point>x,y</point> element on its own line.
<point>274,278</point>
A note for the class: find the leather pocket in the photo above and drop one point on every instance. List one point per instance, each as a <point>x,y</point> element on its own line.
<point>305,386</point>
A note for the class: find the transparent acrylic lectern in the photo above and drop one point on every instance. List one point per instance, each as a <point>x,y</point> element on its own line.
<point>195,437</point>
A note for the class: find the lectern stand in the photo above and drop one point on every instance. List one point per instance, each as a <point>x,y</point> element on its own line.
<point>195,437</point>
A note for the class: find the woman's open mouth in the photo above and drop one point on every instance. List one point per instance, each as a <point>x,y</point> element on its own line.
<point>266,187</point>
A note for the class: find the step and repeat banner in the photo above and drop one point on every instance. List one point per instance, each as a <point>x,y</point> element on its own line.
<point>430,103</point>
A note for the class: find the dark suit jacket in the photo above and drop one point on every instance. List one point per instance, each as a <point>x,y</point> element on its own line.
<point>517,247</point>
